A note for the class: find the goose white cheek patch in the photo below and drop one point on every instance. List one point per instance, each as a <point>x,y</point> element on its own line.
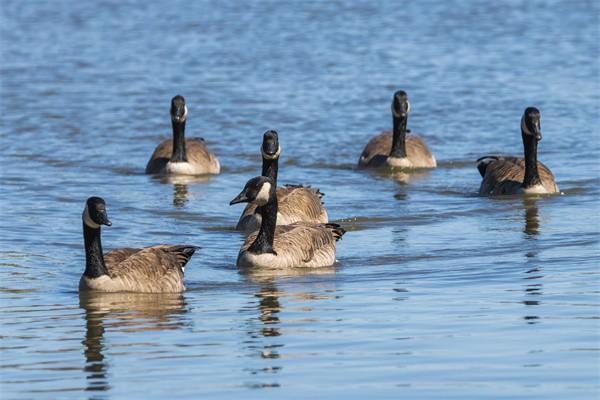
<point>263,195</point>
<point>88,220</point>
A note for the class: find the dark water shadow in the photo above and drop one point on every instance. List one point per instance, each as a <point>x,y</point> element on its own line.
<point>130,312</point>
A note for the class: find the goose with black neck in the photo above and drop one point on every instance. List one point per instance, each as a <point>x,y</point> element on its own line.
<point>181,156</point>
<point>155,269</point>
<point>397,149</point>
<point>515,175</point>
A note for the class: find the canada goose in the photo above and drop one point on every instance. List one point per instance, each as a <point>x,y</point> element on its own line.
<point>300,244</point>
<point>514,175</point>
<point>155,269</point>
<point>296,202</point>
<point>181,156</point>
<point>396,149</point>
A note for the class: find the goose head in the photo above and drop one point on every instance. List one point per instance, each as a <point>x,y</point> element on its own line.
<point>270,146</point>
<point>259,190</point>
<point>94,213</point>
<point>178,109</point>
<point>530,124</point>
<point>400,105</point>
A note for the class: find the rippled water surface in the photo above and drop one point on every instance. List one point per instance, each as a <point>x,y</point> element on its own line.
<point>438,293</point>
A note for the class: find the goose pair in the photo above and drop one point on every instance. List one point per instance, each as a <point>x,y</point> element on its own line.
<point>501,175</point>
<point>289,224</point>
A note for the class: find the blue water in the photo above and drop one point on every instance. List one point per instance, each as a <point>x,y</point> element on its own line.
<point>438,293</point>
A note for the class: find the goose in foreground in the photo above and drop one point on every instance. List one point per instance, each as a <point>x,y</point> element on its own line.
<point>515,175</point>
<point>396,148</point>
<point>181,156</point>
<point>295,202</point>
<point>155,269</point>
<point>300,244</point>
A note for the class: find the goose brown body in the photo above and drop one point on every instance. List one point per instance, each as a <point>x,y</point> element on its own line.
<point>155,269</point>
<point>299,245</point>
<point>504,175</point>
<point>200,160</point>
<point>377,151</point>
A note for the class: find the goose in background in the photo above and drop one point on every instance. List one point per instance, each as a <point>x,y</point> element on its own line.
<point>155,269</point>
<point>300,244</point>
<point>396,148</point>
<point>296,202</point>
<point>515,175</point>
<point>181,156</point>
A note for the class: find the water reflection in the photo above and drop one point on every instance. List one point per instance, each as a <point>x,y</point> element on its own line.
<point>532,219</point>
<point>264,326</point>
<point>130,312</point>
<point>180,186</point>
<point>402,176</point>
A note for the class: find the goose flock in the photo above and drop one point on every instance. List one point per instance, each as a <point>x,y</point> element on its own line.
<point>286,227</point>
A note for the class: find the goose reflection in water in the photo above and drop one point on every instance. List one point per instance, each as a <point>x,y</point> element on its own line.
<point>532,219</point>
<point>265,338</point>
<point>130,312</point>
<point>533,287</point>
<point>180,186</point>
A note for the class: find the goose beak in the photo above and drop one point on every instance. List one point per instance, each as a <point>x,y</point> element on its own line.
<point>270,147</point>
<point>240,198</point>
<point>178,113</point>
<point>104,219</point>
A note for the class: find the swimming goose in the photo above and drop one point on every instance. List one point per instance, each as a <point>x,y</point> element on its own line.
<point>155,269</point>
<point>515,175</point>
<point>296,202</point>
<point>301,244</point>
<point>396,148</point>
<point>181,156</point>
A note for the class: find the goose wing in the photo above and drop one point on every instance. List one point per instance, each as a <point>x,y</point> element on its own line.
<point>152,263</point>
<point>198,154</point>
<point>116,256</point>
<point>418,153</point>
<point>299,203</point>
<point>377,150</point>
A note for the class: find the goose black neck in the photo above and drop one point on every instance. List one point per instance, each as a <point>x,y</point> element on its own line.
<point>532,177</point>
<point>270,168</point>
<point>179,154</point>
<point>266,234</point>
<point>399,137</point>
<point>94,260</point>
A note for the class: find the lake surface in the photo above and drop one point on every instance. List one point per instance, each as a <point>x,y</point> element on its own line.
<point>438,293</point>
